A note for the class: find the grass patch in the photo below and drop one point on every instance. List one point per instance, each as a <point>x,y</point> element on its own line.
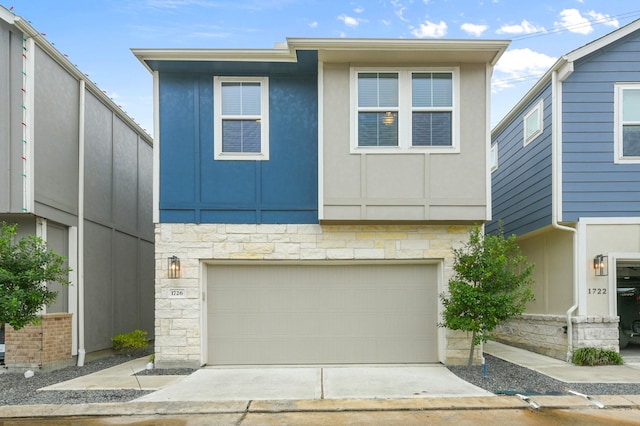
<point>595,356</point>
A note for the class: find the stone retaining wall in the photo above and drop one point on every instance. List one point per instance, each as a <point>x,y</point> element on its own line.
<point>547,334</point>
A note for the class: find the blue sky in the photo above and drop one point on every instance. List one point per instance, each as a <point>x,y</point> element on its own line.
<point>97,35</point>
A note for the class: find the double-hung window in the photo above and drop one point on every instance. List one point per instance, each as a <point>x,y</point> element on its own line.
<point>241,118</point>
<point>404,110</point>
<point>627,123</point>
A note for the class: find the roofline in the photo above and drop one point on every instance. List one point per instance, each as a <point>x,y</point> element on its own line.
<point>567,59</point>
<point>29,31</point>
<point>286,52</point>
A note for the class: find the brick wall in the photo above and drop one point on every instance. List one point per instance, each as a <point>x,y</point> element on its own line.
<point>39,346</point>
<point>178,339</point>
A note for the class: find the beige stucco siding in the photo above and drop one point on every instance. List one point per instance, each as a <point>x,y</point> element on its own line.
<point>616,241</point>
<point>552,254</point>
<point>404,186</point>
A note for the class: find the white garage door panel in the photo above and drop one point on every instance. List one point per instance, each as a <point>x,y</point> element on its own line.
<point>310,314</point>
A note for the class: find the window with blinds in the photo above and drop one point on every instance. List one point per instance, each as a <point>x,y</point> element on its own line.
<point>241,118</point>
<point>404,109</point>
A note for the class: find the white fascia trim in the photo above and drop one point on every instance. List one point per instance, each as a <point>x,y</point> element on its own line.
<point>235,55</point>
<point>556,148</point>
<point>487,138</point>
<point>320,141</point>
<point>632,220</point>
<point>604,41</point>
<point>29,188</point>
<point>414,45</point>
<point>581,268</point>
<point>156,147</point>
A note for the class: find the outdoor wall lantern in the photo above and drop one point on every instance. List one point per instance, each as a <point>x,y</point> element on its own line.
<point>174,267</point>
<point>600,265</point>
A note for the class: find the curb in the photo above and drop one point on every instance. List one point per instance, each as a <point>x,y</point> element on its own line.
<point>323,405</point>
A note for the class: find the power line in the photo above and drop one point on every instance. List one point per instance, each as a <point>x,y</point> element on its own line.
<point>557,29</point>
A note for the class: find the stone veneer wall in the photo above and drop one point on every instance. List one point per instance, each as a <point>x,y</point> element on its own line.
<point>178,322</point>
<point>46,345</point>
<point>546,334</point>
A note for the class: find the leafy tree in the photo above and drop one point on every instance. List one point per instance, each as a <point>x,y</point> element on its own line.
<point>25,268</point>
<point>491,283</point>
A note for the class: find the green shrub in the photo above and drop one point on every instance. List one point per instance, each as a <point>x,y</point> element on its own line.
<point>131,342</point>
<point>595,356</point>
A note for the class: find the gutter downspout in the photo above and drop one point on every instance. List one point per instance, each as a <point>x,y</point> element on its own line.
<point>556,159</point>
<point>81,123</point>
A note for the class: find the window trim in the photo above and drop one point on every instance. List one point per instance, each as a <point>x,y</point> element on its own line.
<point>539,107</point>
<point>405,110</point>
<point>493,157</point>
<point>218,154</point>
<point>618,123</point>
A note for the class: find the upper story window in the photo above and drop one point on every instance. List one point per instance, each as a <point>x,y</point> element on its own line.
<point>493,157</point>
<point>404,110</point>
<point>241,118</point>
<point>627,123</point>
<point>533,123</point>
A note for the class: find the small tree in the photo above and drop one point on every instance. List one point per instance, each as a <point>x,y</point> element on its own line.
<point>491,283</point>
<point>25,269</point>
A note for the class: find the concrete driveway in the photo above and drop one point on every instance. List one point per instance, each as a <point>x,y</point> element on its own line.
<point>304,383</point>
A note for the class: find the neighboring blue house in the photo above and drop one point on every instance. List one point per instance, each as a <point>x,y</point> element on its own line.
<point>307,198</point>
<point>566,180</point>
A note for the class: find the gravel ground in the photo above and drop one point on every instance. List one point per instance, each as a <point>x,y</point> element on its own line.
<point>15,389</point>
<point>502,378</point>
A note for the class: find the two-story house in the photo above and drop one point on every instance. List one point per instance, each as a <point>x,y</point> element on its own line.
<point>75,170</point>
<point>307,198</point>
<point>566,180</point>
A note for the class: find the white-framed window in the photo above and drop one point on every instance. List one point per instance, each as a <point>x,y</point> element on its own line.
<point>533,122</point>
<point>493,157</point>
<point>627,123</point>
<point>404,110</point>
<point>241,118</point>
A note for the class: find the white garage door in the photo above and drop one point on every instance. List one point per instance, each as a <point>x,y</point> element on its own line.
<point>322,314</point>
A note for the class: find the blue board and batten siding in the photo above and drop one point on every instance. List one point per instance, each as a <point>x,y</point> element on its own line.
<point>521,186</point>
<point>195,188</point>
<point>593,185</point>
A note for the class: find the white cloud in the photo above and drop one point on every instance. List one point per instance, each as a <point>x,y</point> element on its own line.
<point>474,29</point>
<point>313,24</point>
<point>349,21</point>
<point>385,22</point>
<point>604,19</point>
<point>430,29</point>
<point>358,9</point>
<point>520,65</point>
<point>574,22</point>
<point>523,28</point>
<point>399,9</point>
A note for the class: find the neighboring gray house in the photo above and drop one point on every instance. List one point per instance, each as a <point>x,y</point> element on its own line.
<point>566,180</point>
<point>77,171</point>
<point>313,194</point>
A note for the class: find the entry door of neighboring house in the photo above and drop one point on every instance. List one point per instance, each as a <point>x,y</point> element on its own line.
<point>58,241</point>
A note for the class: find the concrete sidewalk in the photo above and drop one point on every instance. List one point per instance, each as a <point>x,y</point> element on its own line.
<point>563,371</point>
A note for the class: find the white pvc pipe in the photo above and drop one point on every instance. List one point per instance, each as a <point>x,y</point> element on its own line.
<point>80,319</point>
<point>556,155</point>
